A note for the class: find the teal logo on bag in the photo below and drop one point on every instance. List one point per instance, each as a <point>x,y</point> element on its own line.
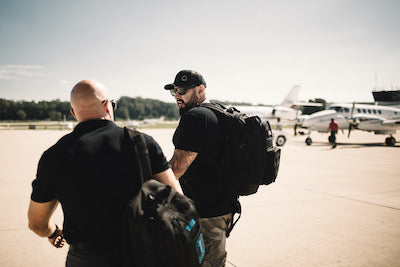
<point>200,248</point>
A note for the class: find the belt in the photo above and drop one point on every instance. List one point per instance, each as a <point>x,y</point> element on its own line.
<point>93,246</point>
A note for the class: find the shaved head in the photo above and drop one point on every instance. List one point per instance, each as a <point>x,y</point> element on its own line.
<point>87,98</point>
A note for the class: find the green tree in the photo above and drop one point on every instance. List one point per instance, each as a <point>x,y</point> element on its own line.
<point>21,114</point>
<point>139,108</point>
<point>55,115</point>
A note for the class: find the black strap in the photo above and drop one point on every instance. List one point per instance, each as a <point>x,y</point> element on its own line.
<point>239,211</point>
<point>55,233</point>
<point>142,153</point>
<point>219,107</point>
<point>214,106</point>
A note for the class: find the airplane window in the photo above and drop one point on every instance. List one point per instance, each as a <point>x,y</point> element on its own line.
<point>369,111</point>
<point>395,113</point>
<point>380,112</point>
<point>341,110</point>
<point>364,111</point>
<point>374,111</point>
<point>335,108</point>
<point>359,110</point>
<point>346,110</point>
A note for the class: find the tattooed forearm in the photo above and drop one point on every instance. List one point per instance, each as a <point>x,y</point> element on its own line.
<point>181,161</point>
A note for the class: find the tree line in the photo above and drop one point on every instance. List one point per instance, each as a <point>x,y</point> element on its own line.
<point>136,108</point>
<point>127,108</point>
<point>30,110</point>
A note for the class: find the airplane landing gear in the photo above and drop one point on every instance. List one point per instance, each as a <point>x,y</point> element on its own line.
<point>308,141</point>
<point>390,141</point>
<point>280,140</point>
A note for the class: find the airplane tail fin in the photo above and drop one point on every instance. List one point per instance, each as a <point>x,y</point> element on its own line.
<point>291,97</point>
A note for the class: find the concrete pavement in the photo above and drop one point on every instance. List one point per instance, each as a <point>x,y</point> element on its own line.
<point>329,207</point>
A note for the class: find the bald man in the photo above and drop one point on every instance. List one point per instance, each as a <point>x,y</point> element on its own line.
<point>93,174</point>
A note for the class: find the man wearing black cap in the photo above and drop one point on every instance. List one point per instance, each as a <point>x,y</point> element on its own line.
<point>198,142</point>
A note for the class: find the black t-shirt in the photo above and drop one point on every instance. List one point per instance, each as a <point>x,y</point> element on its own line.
<point>93,174</point>
<point>199,131</point>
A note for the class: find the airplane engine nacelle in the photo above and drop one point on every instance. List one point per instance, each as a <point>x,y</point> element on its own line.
<point>319,121</point>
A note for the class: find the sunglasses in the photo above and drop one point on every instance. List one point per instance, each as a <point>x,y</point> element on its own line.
<point>179,90</point>
<point>112,101</point>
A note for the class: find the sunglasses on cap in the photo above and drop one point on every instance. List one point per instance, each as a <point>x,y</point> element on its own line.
<point>179,90</point>
<point>112,101</point>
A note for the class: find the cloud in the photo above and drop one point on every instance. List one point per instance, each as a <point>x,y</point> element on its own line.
<point>16,72</point>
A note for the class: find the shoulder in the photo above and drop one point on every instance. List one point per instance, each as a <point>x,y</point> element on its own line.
<point>61,143</point>
<point>50,157</point>
<point>200,118</point>
<point>200,113</point>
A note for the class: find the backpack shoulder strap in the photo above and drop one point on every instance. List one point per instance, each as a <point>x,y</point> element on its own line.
<point>221,109</point>
<point>139,144</point>
<point>214,106</point>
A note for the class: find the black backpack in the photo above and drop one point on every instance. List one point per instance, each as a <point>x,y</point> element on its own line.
<point>161,226</point>
<point>249,158</point>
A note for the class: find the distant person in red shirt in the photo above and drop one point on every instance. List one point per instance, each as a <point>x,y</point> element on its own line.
<point>333,127</point>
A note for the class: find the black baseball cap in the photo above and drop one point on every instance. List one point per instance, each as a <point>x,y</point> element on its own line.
<point>186,79</point>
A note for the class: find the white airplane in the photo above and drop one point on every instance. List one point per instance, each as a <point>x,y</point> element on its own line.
<point>148,122</point>
<point>371,118</point>
<point>284,111</point>
<point>153,121</point>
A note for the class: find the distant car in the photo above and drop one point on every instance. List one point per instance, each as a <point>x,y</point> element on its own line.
<point>279,137</point>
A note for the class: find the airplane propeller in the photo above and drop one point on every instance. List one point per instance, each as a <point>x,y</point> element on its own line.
<point>296,122</point>
<point>352,122</point>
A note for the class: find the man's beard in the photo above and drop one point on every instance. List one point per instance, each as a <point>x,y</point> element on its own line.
<point>191,103</point>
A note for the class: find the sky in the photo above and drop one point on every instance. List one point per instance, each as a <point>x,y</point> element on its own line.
<point>249,51</point>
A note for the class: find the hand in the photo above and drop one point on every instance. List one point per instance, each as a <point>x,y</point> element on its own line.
<point>58,241</point>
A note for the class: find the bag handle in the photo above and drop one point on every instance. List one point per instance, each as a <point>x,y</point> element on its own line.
<point>142,153</point>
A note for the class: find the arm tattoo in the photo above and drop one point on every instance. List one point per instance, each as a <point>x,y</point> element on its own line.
<point>181,161</point>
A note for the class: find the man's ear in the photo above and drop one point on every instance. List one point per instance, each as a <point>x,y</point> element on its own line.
<point>201,89</point>
<point>73,113</point>
<point>108,107</point>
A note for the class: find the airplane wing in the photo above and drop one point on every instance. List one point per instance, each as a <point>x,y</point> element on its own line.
<point>395,123</point>
<point>362,118</point>
<point>374,123</point>
<point>307,104</point>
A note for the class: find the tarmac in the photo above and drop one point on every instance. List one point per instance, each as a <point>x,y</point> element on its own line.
<point>328,207</point>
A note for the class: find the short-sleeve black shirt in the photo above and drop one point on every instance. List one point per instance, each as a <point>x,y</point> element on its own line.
<point>93,174</point>
<point>199,131</point>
